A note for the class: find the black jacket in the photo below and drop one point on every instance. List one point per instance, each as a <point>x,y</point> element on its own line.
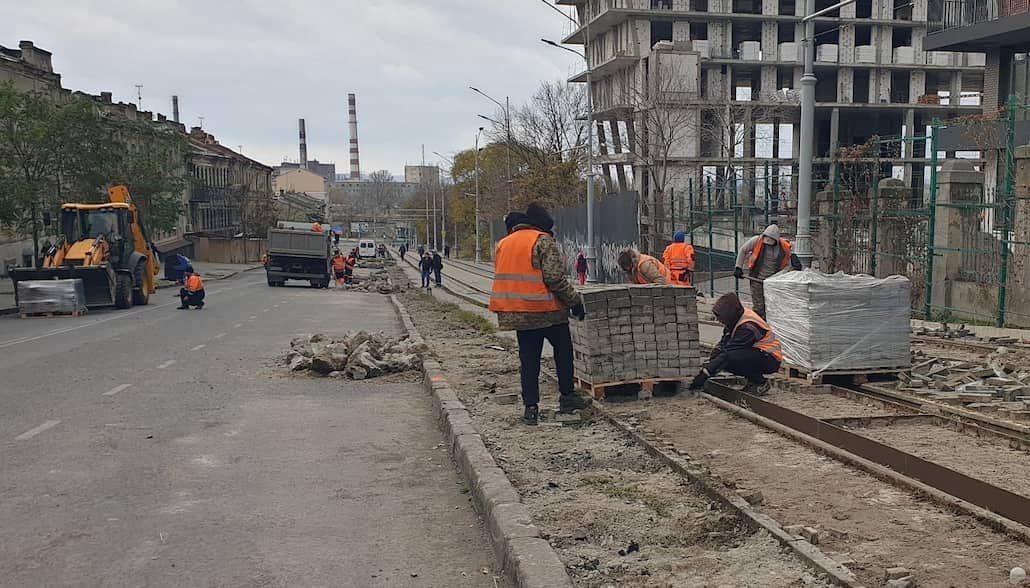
<point>745,338</point>
<point>437,262</point>
<point>581,264</point>
<point>425,264</point>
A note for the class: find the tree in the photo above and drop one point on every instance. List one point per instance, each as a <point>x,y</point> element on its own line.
<point>150,164</point>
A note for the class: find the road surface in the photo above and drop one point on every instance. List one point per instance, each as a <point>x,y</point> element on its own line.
<point>162,447</point>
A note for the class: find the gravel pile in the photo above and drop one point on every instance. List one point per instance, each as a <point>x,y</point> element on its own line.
<point>357,355</point>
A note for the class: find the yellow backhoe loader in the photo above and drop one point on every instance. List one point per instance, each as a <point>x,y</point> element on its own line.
<point>107,247</point>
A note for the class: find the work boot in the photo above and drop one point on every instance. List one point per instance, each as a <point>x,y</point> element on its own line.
<point>531,415</point>
<point>571,402</point>
<point>200,305</point>
<point>763,388</point>
<point>183,307</point>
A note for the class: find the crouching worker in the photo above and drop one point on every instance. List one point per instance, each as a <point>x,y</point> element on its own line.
<point>748,347</point>
<point>192,292</point>
<point>642,269</point>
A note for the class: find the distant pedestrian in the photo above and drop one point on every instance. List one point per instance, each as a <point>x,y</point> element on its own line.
<point>447,251</point>
<point>425,265</point>
<point>421,250</point>
<point>581,268</point>
<point>437,268</point>
<point>192,292</point>
<point>403,250</point>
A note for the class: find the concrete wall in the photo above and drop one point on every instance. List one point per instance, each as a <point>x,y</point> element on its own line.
<point>228,250</point>
<point>299,180</point>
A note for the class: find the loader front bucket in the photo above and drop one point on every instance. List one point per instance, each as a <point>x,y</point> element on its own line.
<point>98,281</point>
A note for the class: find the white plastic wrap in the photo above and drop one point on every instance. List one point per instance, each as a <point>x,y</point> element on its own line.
<point>840,322</point>
<point>63,296</point>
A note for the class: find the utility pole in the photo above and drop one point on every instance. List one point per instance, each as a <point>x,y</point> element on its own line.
<point>479,246</point>
<point>139,96</point>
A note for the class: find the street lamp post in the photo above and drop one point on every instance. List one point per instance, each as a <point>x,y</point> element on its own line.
<point>479,246</point>
<point>443,203</point>
<point>506,108</point>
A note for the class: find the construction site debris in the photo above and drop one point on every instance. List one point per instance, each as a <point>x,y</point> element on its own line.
<point>999,382</point>
<point>637,332</point>
<point>377,281</point>
<point>357,355</point>
<point>840,322</point>
<point>1016,576</point>
<point>51,296</point>
<point>376,263</point>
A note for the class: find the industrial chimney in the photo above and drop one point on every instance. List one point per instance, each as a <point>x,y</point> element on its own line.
<point>175,108</point>
<point>355,166</point>
<point>303,146</point>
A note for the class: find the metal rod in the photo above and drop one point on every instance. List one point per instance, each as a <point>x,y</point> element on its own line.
<point>479,243</point>
<point>931,226</point>
<point>808,80</point>
<point>1008,196</point>
<point>711,244</point>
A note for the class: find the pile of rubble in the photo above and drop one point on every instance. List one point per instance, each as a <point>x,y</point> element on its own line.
<point>1000,384</point>
<point>376,263</point>
<point>356,356</point>
<point>946,332</point>
<point>377,281</point>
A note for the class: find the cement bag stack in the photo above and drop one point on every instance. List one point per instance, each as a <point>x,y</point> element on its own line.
<point>57,296</point>
<point>636,333</point>
<point>840,322</point>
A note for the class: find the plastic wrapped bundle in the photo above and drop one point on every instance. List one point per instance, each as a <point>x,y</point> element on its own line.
<point>839,322</point>
<point>45,296</point>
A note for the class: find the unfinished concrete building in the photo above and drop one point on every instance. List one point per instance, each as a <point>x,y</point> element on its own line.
<point>735,66</point>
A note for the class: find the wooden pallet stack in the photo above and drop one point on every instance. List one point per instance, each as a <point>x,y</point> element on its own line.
<point>51,297</point>
<point>636,335</point>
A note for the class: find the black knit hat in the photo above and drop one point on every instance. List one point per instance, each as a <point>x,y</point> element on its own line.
<point>514,218</point>
<point>539,217</point>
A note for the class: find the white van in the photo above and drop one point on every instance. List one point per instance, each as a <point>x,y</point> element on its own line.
<point>366,248</point>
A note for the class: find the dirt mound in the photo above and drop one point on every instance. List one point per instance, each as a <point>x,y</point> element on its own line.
<point>357,355</point>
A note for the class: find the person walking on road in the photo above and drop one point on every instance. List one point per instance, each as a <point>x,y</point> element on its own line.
<point>581,268</point>
<point>642,269</point>
<point>748,347</point>
<point>764,255</point>
<point>679,258</point>
<point>425,265</point>
<point>421,250</point>
<point>447,251</point>
<point>192,292</point>
<point>437,268</point>
<point>532,296</point>
<point>403,249</point>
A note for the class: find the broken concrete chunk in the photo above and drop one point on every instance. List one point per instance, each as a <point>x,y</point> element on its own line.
<point>896,573</point>
<point>357,355</point>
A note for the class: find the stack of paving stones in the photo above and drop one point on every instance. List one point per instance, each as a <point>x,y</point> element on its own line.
<point>637,333</point>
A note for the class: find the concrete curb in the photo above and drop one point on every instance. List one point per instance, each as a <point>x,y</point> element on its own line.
<point>526,556</point>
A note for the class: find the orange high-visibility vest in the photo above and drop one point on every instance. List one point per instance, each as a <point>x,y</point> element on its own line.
<point>264,259</point>
<point>349,262</point>
<point>518,286</point>
<point>638,278</point>
<point>194,283</point>
<point>316,227</point>
<point>768,343</point>
<point>338,263</point>
<point>679,258</point>
<point>756,253</point>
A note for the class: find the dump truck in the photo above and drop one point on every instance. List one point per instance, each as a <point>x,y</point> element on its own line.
<point>106,246</point>
<point>298,254</point>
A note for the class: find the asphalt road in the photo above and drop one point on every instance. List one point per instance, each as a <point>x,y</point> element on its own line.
<point>161,447</point>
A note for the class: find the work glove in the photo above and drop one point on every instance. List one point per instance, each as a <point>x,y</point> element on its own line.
<point>738,272</point>
<point>700,379</point>
<point>795,262</point>
<point>578,311</point>
<point>715,352</point>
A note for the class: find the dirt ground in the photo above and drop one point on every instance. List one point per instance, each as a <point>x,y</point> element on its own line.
<point>862,519</point>
<point>824,405</point>
<point>987,459</point>
<point>615,516</point>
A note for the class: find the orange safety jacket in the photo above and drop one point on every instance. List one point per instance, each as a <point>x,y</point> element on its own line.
<point>316,227</point>
<point>679,258</point>
<point>768,343</point>
<point>349,262</point>
<point>664,271</point>
<point>338,263</point>
<point>194,283</point>
<point>756,253</point>
<point>264,259</point>
<point>518,286</point>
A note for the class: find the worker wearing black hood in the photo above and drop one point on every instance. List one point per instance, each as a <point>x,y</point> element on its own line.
<point>748,348</point>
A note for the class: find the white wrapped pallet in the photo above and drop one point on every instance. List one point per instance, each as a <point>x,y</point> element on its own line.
<point>788,51</point>
<point>51,296</point>
<point>826,53</point>
<point>751,50</point>
<point>840,323</point>
<point>865,54</point>
<point>904,55</point>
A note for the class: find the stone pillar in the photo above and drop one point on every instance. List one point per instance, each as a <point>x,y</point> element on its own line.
<point>906,146</point>
<point>892,227</point>
<point>846,85</point>
<point>620,172</point>
<point>957,181</point>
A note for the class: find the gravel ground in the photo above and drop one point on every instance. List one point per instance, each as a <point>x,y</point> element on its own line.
<point>823,405</point>
<point>593,491</point>
<point>862,519</point>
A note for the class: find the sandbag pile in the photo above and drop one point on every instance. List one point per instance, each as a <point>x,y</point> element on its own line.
<point>357,356</point>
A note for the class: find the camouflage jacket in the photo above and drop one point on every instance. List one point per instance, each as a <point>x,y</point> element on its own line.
<point>546,258</point>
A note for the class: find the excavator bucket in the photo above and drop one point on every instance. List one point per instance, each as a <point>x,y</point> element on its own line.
<point>98,281</point>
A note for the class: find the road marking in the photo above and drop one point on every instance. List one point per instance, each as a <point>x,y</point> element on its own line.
<point>266,310</point>
<point>33,432</point>
<point>166,364</point>
<point>116,390</point>
<point>61,331</point>
<point>237,325</point>
<point>219,335</point>
<point>199,347</point>
<point>252,317</point>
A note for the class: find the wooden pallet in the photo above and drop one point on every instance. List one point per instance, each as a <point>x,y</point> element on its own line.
<point>856,376</point>
<point>645,390</point>
<point>76,312</point>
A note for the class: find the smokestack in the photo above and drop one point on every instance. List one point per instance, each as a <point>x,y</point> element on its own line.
<point>303,146</point>
<point>175,108</point>
<point>355,166</point>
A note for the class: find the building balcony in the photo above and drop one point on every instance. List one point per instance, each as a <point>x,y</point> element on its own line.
<point>978,25</point>
<point>606,68</point>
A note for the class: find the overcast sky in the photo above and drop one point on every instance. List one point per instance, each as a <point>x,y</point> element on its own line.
<point>251,68</point>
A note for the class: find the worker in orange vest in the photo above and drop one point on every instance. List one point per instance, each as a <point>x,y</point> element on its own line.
<point>764,255</point>
<point>532,296</point>
<point>642,269</point>
<point>339,267</point>
<point>316,227</point>
<point>192,292</point>
<point>679,258</point>
<point>264,259</point>
<point>748,348</point>
<point>348,266</point>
